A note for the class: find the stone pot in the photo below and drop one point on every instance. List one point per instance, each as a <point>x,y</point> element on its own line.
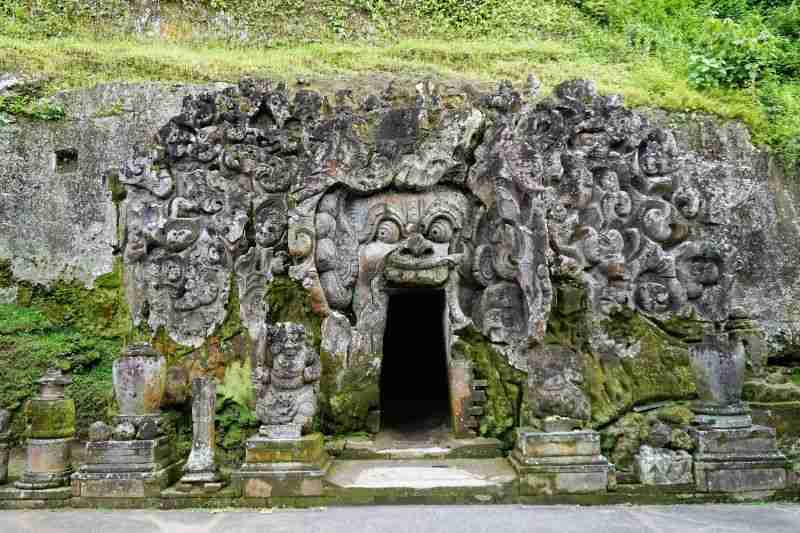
<point>140,378</point>
<point>719,364</point>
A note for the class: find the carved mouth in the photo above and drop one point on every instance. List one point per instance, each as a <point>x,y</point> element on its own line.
<point>403,270</point>
<point>407,262</point>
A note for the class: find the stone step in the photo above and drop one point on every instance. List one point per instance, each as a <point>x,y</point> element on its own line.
<point>421,474</point>
<point>452,448</point>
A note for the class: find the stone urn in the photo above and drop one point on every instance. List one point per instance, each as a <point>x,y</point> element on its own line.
<point>140,379</point>
<point>719,366</point>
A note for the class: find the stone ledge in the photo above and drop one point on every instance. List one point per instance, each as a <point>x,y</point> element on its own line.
<point>125,484</point>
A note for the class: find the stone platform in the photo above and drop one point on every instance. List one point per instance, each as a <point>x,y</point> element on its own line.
<point>282,467</point>
<point>131,469</point>
<point>738,460</point>
<point>566,462</point>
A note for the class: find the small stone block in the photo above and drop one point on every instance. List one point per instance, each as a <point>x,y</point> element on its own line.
<point>306,449</point>
<point>558,444</point>
<point>124,484</point>
<point>753,441</point>
<point>739,476</point>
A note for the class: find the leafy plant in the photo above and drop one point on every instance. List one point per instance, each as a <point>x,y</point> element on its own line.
<point>25,106</point>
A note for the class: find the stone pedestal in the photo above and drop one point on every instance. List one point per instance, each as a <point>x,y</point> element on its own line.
<point>292,466</point>
<point>135,468</point>
<point>51,423</point>
<point>567,462</point>
<point>731,455</point>
<point>738,460</point>
<point>200,471</point>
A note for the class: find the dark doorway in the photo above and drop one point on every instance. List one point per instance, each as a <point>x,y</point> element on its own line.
<point>414,385</point>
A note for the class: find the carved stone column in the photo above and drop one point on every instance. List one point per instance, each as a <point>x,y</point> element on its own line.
<point>285,458</point>
<point>731,454</point>
<point>200,470</point>
<point>135,457</point>
<point>564,458</point>
<point>51,428</point>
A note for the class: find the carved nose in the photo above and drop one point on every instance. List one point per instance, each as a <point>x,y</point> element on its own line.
<point>418,246</point>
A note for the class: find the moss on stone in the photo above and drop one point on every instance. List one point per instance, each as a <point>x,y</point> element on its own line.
<point>67,325</point>
<point>6,276</point>
<point>290,302</point>
<point>661,369</point>
<point>50,419</point>
<point>678,415</point>
<point>505,385</point>
<point>347,396</point>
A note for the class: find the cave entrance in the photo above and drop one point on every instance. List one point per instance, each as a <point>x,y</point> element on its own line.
<point>414,383</point>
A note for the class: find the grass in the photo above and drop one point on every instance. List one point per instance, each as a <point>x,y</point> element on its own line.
<point>76,62</point>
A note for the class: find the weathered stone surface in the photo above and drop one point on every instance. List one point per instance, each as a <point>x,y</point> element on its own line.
<point>658,466</point>
<point>738,460</point>
<point>57,217</point>
<point>497,201</point>
<point>286,372</point>
<point>99,431</point>
<point>554,384</point>
<point>283,467</point>
<point>124,431</point>
<point>140,376</point>
<point>52,422</point>
<point>719,363</point>
<point>201,467</point>
<point>565,462</point>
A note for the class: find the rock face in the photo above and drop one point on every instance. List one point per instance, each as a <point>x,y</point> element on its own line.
<point>57,215</point>
<point>583,249</point>
<point>489,206</point>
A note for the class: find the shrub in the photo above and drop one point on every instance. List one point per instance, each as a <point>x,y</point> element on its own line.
<point>734,54</point>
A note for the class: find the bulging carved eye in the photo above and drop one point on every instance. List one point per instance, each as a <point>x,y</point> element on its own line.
<point>388,231</point>
<point>441,230</point>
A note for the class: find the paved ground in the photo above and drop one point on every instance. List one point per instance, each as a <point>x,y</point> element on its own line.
<point>495,519</point>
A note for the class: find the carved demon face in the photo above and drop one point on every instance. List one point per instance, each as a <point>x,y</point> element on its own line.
<point>410,237</point>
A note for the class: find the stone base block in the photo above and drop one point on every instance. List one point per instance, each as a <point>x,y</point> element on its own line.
<point>740,476</point>
<point>567,462</point>
<point>14,498</point>
<point>48,464</point>
<point>562,479</point>
<point>738,460</point>
<point>124,484</point>
<point>128,455</point>
<point>283,467</point>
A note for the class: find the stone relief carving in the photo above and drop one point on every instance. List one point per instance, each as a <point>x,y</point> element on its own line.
<point>487,202</point>
<point>286,372</point>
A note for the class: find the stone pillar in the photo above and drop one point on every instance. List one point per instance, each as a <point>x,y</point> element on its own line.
<point>559,457</point>
<point>460,377</point>
<point>51,428</point>
<point>134,458</point>
<point>731,454</point>
<point>281,460</point>
<point>200,471</point>
<point>5,418</point>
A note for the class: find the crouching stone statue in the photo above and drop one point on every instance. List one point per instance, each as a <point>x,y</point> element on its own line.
<point>286,374</point>
<point>285,458</point>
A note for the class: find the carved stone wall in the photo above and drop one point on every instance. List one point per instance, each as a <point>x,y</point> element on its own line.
<point>493,201</point>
